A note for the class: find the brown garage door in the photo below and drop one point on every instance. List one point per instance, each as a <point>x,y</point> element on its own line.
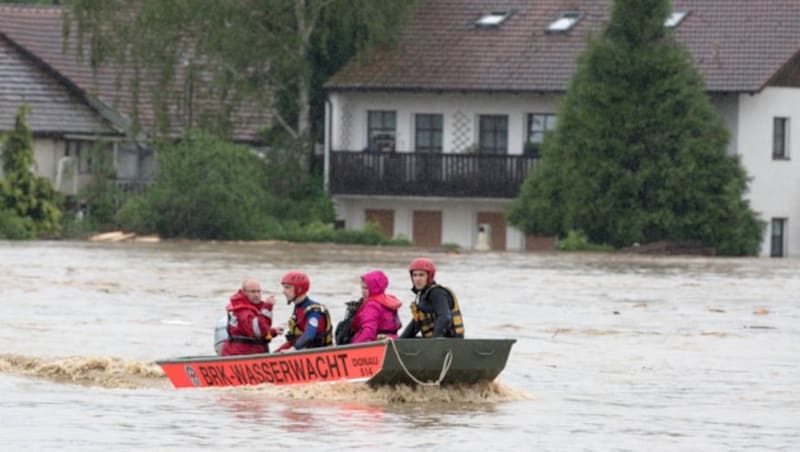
<point>498,223</point>
<point>383,218</point>
<point>427,228</point>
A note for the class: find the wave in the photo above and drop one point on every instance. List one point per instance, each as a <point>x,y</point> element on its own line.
<point>451,396</point>
<point>112,373</point>
<point>89,371</point>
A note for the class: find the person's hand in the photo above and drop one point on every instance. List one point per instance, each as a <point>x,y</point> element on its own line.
<point>270,300</point>
<point>278,330</point>
<point>290,349</point>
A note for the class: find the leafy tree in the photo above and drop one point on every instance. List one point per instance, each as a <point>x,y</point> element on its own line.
<point>22,193</point>
<point>273,53</point>
<point>208,188</point>
<point>32,2</point>
<point>639,153</point>
<point>205,188</point>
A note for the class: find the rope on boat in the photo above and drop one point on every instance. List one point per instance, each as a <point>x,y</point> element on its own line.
<point>448,360</point>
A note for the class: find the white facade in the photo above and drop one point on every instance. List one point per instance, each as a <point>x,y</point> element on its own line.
<point>459,216</point>
<point>348,131</point>
<point>774,186</point>
<point>53,166</point>
<point>460,111</point>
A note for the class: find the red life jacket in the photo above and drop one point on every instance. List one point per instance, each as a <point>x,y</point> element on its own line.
<point>249,326</point>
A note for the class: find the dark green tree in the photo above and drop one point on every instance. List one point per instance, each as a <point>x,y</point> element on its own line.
<point>22,193</point>
<point>273,53</point>
<point>639,152</point>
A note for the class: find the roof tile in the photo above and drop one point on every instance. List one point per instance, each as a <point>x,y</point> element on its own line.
<point>736,45</point>
<point>37,29</point>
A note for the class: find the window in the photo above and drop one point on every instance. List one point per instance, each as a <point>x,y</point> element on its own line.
<point>564,22</point>
<point>778,237</point>
<point>538,125</point>
<point>493,134</point>
<point>428,133</point>
<point>381,130</point>
<point>674,19</point>
<point>780,138</point>
<point>90,156</point>
<point>493,19</point>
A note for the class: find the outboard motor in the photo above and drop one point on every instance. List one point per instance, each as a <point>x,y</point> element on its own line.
<point>220,333</point>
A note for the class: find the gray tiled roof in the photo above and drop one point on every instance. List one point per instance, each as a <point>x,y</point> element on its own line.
<point>54,108</point>
<point>37,30</point>
<point>737,45</point>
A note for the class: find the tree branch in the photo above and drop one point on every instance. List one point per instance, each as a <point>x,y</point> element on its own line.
<point>277,115</point>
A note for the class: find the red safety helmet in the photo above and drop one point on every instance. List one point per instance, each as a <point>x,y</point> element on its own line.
<point>425,265</point>
<point>299,281</point>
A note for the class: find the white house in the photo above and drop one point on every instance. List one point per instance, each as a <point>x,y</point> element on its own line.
<point>431,139</point>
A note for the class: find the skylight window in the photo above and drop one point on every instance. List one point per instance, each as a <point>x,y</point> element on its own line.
<point>493,19</point>
<point>565,21</point>
<point>674,19</point>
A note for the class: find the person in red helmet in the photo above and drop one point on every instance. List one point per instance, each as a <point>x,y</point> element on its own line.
<point>249,324</point>
<point>310,324</point>
<point>435,311</point>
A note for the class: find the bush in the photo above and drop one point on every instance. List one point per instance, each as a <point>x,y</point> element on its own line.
<point>14,227</point>
<point>325,232</point>
<point>103,198</point>
<point>577,241</point>
<point>205,188</point>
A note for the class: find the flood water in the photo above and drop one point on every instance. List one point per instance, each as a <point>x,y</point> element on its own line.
<point>614,352</point>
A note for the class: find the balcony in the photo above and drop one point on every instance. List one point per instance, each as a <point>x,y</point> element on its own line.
<point>426,174</point>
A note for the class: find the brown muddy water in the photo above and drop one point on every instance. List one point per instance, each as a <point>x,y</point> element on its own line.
<point>613,352</point>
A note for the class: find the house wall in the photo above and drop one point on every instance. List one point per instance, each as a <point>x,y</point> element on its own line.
<point>51,163</point>
<point>460,112</point>
<point>775,184</point>
<point>47,152</point>
<point>459,216</point>
<point>348,131</point>
<point>774,189</point>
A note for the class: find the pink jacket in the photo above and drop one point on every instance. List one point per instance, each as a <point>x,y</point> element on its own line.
<point>378,313</point>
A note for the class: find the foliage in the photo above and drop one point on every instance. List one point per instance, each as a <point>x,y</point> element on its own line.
<point>31,2</point>
<point>451,247</point>
<point>577,241</point>
<point>102,196</point>
<point>639,153</point>
<point>30,197</point>
<point>325,232</point>
<point>298,195</point>
<point>13,227</point>
<point>205,188</point>
<point>274,54</point>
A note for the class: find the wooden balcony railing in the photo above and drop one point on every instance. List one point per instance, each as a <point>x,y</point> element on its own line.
<point>426,174</point>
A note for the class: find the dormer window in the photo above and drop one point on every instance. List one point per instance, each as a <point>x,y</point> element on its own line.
<point>674,19</point>
<point>565,21</point>
<point>493,19</point>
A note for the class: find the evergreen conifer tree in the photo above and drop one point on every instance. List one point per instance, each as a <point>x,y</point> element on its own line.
<point>639,154</point>
<point>26,195</point>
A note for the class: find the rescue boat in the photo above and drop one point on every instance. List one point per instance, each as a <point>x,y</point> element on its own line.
<point>438,361</point>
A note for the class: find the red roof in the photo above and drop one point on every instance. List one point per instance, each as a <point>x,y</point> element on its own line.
<point>737,45</point>
<point>37,31</point>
